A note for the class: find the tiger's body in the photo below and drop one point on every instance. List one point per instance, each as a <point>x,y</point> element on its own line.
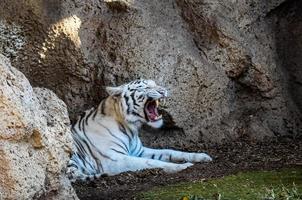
<point>107,137</point>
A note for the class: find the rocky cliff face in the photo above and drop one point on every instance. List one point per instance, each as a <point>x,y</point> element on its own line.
<point>35,140</point>
<point>232,67</point>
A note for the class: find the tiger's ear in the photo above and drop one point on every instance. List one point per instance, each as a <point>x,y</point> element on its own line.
<point>114,91</point>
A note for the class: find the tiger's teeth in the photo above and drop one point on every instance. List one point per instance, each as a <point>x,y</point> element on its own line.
<point>158,117</point>
<point>157,103</point>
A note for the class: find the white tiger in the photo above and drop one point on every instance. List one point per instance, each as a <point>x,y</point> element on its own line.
<point>106,138</point>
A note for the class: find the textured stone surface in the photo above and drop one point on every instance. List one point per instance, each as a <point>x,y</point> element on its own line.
<point>224,62</point>
<point>11,39</point>
<point>35,140</point>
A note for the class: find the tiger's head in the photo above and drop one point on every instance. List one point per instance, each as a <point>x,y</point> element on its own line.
<point>139,101</point>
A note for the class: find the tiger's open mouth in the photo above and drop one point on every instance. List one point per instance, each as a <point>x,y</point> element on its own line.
<point>151,110</point>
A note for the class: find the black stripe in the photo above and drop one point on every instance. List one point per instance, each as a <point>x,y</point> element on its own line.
<point>105,156</point>
<point>103,106</point>
<point>126,100</point>
<point>87,145</point>
<point>140,96</point>
<point>141,153</point>
<point>132,134</point>
<point>136,121</point>
<point>133,99</point>
<point>80,147</point>
<point>123,130</point>
<point>100,164</point>
<point>82,115</point>
<point>87,117</point>
<point>82,158</point>
<point>73,130</point>
<point>123,147</point>
<point>92,167</point>
<point>95,112</point>
<point>80,120</point>
<point>137,114</point>
<point>161,155</point>
<point>88,178</point>
<point>73,125</point>
<point>72,165</point>
<point>118,151</point>
<point>170,157</point>
<point>152,157</point>
<point>138,144</point>
<point>83,125</point>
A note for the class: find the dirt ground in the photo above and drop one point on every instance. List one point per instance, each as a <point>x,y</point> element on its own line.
<point>242,155</point>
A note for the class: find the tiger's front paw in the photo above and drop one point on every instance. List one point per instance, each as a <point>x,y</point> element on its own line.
<point>177,167</point>
<point>200,157</point>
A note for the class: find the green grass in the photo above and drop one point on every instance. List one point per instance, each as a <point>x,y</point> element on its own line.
<point>285,184</point>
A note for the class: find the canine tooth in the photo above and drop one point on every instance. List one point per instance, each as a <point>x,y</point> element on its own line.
<point>158,117</point>
<point>157,103</point>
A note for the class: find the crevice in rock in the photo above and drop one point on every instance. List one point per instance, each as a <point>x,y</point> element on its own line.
<point>289,44</point>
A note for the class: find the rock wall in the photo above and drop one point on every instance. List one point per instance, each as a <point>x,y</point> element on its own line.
<point>225,63</point>
<point>35,140</point>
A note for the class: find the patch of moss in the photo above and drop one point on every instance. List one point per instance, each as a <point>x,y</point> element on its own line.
<point>253,185</point>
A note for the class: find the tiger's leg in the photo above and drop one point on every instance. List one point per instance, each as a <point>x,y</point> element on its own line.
<point>123,163</point>
<point>169,155</point>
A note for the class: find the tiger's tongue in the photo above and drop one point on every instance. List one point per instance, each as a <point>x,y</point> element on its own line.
<point>152,112</point>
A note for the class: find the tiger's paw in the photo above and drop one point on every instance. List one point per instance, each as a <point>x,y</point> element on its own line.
<point>200,157</point>
<point>178,167</point>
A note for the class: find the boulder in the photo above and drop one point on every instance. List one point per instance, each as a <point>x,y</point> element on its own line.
<point>35,140</point>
